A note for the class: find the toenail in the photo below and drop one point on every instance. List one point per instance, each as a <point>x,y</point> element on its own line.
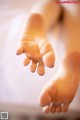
<point>52,66</point>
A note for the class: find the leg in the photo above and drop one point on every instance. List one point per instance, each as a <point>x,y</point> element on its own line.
<point>59,93</point>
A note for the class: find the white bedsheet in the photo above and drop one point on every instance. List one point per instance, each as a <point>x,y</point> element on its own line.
<point>17,83</point>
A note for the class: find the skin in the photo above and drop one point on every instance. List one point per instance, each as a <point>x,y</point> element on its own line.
<point>58,93</point>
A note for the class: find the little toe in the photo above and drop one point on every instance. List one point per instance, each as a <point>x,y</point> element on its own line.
<point>65,107</point>
<point>26,61</point>
<point>46,109</point>
<point>44,99</point>
<point>33,66</point>
<point>20,51</point>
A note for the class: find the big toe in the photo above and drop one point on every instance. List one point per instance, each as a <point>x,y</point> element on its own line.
<point>49,59</point>
<point>45,98</point>
<point>48,55</point>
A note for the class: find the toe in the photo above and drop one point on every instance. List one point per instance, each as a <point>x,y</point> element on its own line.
<point>26,61</point>
<point>65,107</point>
<point>45,98</point>
<point>49,59</point>
<point>33,66</point>
<point>46,48</point>
<point>48,55</point>
<point>19,51</point>
<point>48,94</point>
<point>46,109</point>
<point>53,109</point>
<point>40,69</point>
<point>58,109</point>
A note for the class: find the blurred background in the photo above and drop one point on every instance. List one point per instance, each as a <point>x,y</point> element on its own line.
<point>19,88</point>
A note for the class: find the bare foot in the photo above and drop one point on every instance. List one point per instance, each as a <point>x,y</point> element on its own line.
<point>38,50</point>
<point>59,93</point>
